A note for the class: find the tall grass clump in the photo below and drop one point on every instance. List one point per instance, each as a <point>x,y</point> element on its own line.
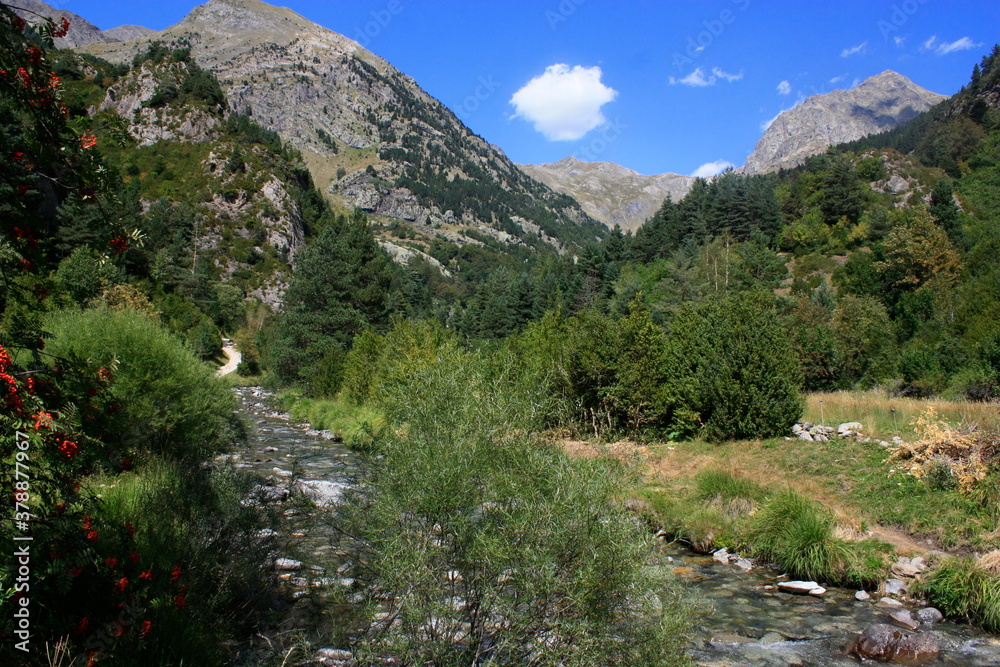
<point>961,588</point>
<point>489,546</point>
<point>726,486</point>
<point>797,534</point>
<point>355,425</point>
<point>167,401</point>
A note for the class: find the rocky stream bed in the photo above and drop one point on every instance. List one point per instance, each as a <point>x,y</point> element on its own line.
<point>743,617</point>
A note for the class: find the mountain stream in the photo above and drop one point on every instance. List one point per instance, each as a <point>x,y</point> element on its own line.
<point>741,620</point>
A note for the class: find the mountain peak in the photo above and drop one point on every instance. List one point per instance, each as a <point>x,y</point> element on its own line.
<point>609,192</point>
<point>880,102</point>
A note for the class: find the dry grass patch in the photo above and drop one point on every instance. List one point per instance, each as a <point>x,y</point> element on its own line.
<point>883,417</point>
<point>963,456</point>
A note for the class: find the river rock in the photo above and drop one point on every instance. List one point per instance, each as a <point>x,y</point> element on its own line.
<point>321,491</point>
<point>919,649</point>
<point>805,436</point>
<point>333,657</point>
<point>889,602</point>
<point>894,587</point>
<point>743,564</point>
<point>906,567</point>
<point>287,564</point>
<point>861,596</point>
<point>904,619</point>
<point>801,587</point>
<point>877,642</point>
<point>721,556</point>
<point>930,615</point>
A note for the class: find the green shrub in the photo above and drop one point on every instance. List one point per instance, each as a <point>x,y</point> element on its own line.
<point>730,362</point>
<point>168,402</point>
<point>461,500</point>
<point>86,273</point>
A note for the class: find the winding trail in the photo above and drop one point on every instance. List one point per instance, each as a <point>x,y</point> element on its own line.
<point>232,354</point>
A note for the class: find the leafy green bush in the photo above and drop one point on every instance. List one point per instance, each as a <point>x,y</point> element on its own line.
<point>169,402</point>
<point>86,273</point>
<point>462,502</point>
<point>730,362</point>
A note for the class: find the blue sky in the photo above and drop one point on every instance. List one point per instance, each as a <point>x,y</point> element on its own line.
<point>657,86</point>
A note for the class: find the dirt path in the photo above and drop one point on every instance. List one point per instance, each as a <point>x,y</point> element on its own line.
<point>232,354</point>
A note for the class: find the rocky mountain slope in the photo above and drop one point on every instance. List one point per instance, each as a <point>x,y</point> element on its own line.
<point>81,31</point>
<point>372,137</point>
<point>877,104</point>
<point>609,192</point>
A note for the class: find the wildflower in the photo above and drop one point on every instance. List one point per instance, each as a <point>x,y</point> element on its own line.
<point>19,24</point>
<point>130,528</point>
<point>18,157</point>
<point>121,584</point>
<point>34,55</point>
<point>104,374</point>
<point>87,521</point>
<point>175,573</point>
<point>92,535</point>
<point>22,189</point>
<point>179,601</point>
<point>118,631</point>
<point>75,571</point>
<point>146,575</point>
<point>145,627</point>
<point>112,563</point>
<point>25,78</point>
<point>88,140</point>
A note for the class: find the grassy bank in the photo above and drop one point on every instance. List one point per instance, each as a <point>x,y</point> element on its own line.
<point>355,425</point>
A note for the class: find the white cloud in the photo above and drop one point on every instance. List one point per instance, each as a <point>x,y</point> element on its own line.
<point>698,79</point>
<point>898,41</point>
<point>860,48</point>
<point>712,168</point>
<point>963,44</point>
<point>784,88</point>
<point>837,79</point>
<point>563,103</point>
<point>929,44</point>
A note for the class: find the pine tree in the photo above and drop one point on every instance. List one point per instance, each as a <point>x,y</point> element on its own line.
<point>344,282</point>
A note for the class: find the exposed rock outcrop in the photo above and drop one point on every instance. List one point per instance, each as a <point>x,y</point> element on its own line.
<point>878,103</point>
<point>609,192</point>
<point>347,109</point>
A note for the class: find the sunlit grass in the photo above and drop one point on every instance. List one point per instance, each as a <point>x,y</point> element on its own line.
<point>883,416</point>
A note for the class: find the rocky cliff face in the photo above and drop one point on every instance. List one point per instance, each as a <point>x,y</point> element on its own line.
<point>879,103</point>
<point>124,33</point>
<point>130,97</point>
<point>81,31</point>
<point>371,136</point>
<point>609,192</point>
